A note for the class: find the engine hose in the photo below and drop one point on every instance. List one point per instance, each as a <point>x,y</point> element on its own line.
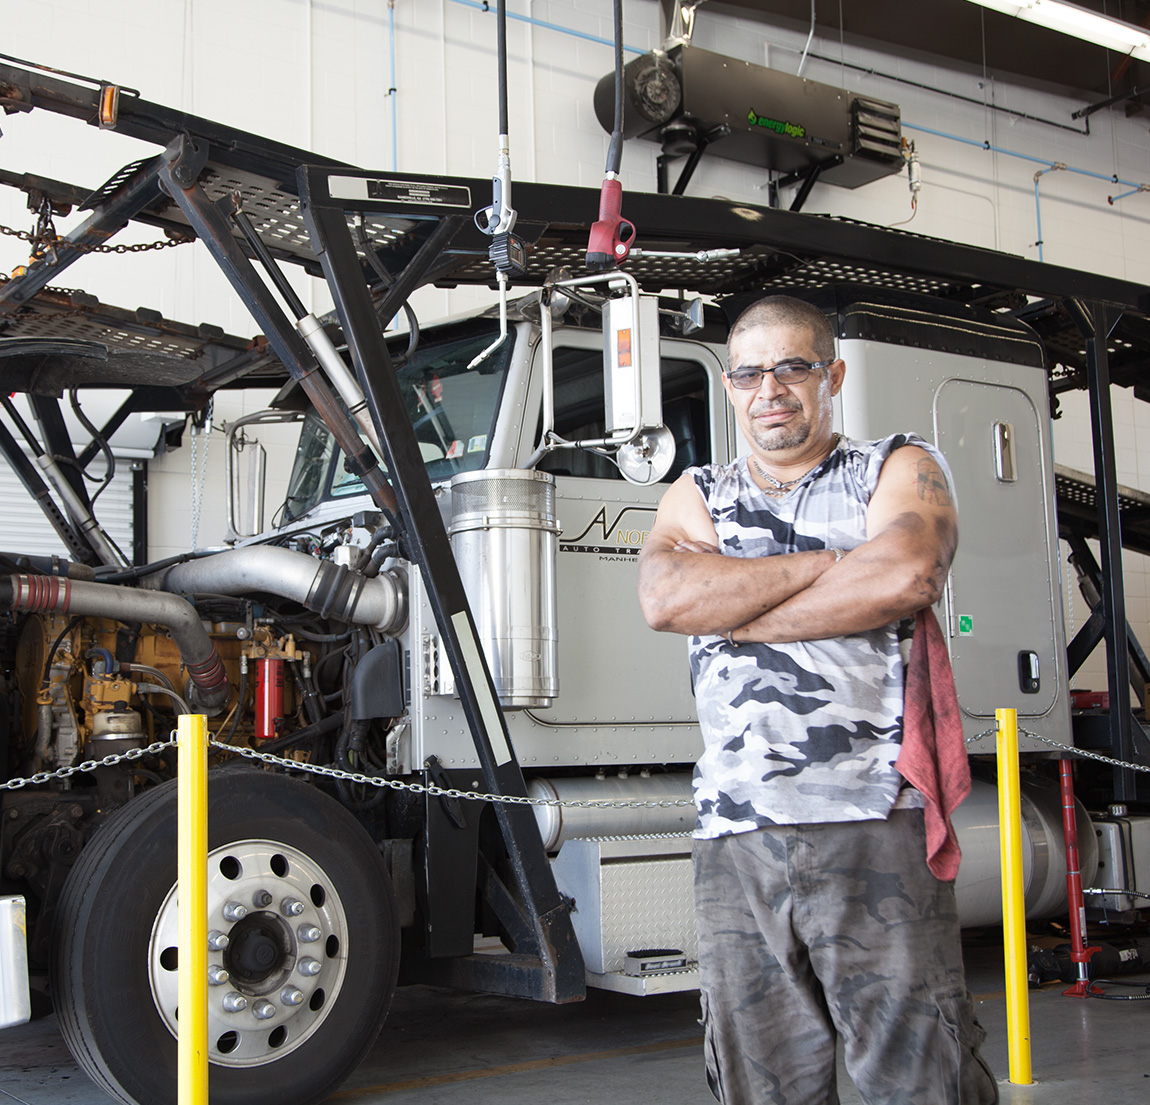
<point>349,745</point>
<point>320,728</point>
<point>51,594</point>
<point>321,586</point>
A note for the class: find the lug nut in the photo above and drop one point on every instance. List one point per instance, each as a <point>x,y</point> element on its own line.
<point>291,907</point>
<point>218,941</point>
<point>235,911</point>
<point>263,1010</point>
<point>309,967</point>
<point>217,975</point>
<point>308,934</point>
<point>289,995</point>
<point>234,1003</point>
<point>261,899</point>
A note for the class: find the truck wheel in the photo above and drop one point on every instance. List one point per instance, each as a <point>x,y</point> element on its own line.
<point>303,945</point>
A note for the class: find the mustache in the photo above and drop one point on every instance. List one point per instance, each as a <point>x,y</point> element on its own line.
<point>776,405</point>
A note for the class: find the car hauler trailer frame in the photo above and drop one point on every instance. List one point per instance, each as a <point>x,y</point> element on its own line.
<point>255,205</point>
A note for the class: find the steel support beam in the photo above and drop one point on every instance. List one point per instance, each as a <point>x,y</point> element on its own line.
<point>29,476</point>
<point>560,963</point>
<point>183,161</point>
<point>1096,320</point>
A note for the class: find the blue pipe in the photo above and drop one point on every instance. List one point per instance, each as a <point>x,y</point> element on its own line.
<point>483,6</point>
<point>391,90</point>
<point>984,145</point>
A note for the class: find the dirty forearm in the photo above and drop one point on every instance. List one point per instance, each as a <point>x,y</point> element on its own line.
<point>692,592</point>
<point>877,584</point>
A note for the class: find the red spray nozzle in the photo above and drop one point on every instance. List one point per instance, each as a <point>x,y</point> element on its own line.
<point>611,236</point>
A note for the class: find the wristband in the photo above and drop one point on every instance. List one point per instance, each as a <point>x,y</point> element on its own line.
<point>839,554</point>
<point>731,640</point>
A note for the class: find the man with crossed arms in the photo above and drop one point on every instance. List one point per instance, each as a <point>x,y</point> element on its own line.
<point>796,572</point>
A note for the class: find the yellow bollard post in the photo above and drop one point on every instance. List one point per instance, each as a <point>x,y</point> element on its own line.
<point>192,894</point>
<point>1013,899</point>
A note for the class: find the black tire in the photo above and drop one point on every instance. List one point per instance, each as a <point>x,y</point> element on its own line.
<point>113,967</point>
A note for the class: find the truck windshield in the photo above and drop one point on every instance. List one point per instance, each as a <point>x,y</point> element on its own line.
<point>452,410</point>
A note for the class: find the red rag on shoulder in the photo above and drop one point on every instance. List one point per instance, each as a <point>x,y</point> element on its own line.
<point>933,757</point>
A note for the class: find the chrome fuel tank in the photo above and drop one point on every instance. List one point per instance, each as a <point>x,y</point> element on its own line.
<point>504,536</point>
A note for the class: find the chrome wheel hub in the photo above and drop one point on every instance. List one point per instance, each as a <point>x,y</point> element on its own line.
<point>277,952</point>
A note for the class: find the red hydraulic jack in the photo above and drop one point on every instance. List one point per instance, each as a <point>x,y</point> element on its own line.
<point>1079,953</point>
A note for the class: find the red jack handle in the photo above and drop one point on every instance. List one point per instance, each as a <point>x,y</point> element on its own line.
<point>1079,952</point>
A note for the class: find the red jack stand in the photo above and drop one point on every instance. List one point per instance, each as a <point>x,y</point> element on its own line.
<point>1079,953</point>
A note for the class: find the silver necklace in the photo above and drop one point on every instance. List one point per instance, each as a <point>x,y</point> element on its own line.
<point>778,487</point>
<point>782,487</point>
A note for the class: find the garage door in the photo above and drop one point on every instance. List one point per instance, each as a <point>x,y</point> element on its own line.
<point>25,530</point>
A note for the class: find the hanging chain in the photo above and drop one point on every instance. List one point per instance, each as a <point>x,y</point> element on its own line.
<point>44,240</point>
<point>199,472</point>
<point>110,760</point>
<point>435,791</point>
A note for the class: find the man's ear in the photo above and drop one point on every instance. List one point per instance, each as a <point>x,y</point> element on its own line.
<point>838,371</point>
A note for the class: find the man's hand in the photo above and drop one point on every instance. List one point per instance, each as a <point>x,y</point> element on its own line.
<point>684,587</point>
<point>697,546</point>
<point>912,532</point>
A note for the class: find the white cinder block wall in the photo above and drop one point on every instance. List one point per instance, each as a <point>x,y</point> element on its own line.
<point>316,75</point>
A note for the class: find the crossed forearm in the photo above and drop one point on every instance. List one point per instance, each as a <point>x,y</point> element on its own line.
<point>875,585</point>
<point>692,589</point>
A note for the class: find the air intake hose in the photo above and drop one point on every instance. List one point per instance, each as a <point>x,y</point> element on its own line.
<point>54,595</point>
<point>326,588</point>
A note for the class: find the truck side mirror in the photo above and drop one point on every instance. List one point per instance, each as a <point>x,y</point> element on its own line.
<point>245,489</point>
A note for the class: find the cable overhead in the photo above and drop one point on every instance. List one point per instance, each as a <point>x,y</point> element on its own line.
<point>611,235</point>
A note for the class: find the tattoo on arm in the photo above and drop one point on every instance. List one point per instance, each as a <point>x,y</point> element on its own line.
<point>932,484</point>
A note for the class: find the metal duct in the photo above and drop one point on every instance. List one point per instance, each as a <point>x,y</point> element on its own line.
<point>51,594</point>
<point>326,588</point>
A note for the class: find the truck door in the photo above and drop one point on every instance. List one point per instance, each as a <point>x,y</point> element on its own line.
<point>1002,620</point>
<point>624,692</point>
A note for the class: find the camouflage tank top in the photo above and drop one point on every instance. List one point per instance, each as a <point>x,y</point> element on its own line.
<point>809,731</point>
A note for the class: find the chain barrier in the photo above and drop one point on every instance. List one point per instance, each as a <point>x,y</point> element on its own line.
<point>1087,755</point>
<point>435,791</point>
<point>110,760</point>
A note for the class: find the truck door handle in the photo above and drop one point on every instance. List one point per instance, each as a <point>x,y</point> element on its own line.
<point>1029,679</point>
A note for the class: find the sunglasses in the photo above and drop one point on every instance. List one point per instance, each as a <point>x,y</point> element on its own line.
<point>794,371</point>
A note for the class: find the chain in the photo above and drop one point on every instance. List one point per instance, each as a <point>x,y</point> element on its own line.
<point>435,791</point>
<point>44,239</point>
<point>979,736</point>
<point>110,760</point>
<point>198,475</point>
<point>1084,753</point>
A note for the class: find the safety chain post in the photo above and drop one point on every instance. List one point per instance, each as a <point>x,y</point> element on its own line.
<point>1013,899</point>
<point>192,896</point>
<point>1079,953</point>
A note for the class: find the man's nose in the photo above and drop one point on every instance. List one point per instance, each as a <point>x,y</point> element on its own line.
<point>769,387</point>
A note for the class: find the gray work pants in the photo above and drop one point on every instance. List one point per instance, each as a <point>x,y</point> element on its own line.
<point>812,932</point>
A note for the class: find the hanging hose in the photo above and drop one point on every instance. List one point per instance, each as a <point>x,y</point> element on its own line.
<point>506,252</point>
<point>611,235</point>
<point>101,441</point>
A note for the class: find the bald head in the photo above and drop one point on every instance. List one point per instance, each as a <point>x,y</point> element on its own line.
<point>784,311</point>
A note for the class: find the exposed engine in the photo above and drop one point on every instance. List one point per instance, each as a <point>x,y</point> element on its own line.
<point>283,651</point>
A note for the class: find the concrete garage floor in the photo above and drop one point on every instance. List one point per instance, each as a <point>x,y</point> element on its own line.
<point>444,1048</point>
